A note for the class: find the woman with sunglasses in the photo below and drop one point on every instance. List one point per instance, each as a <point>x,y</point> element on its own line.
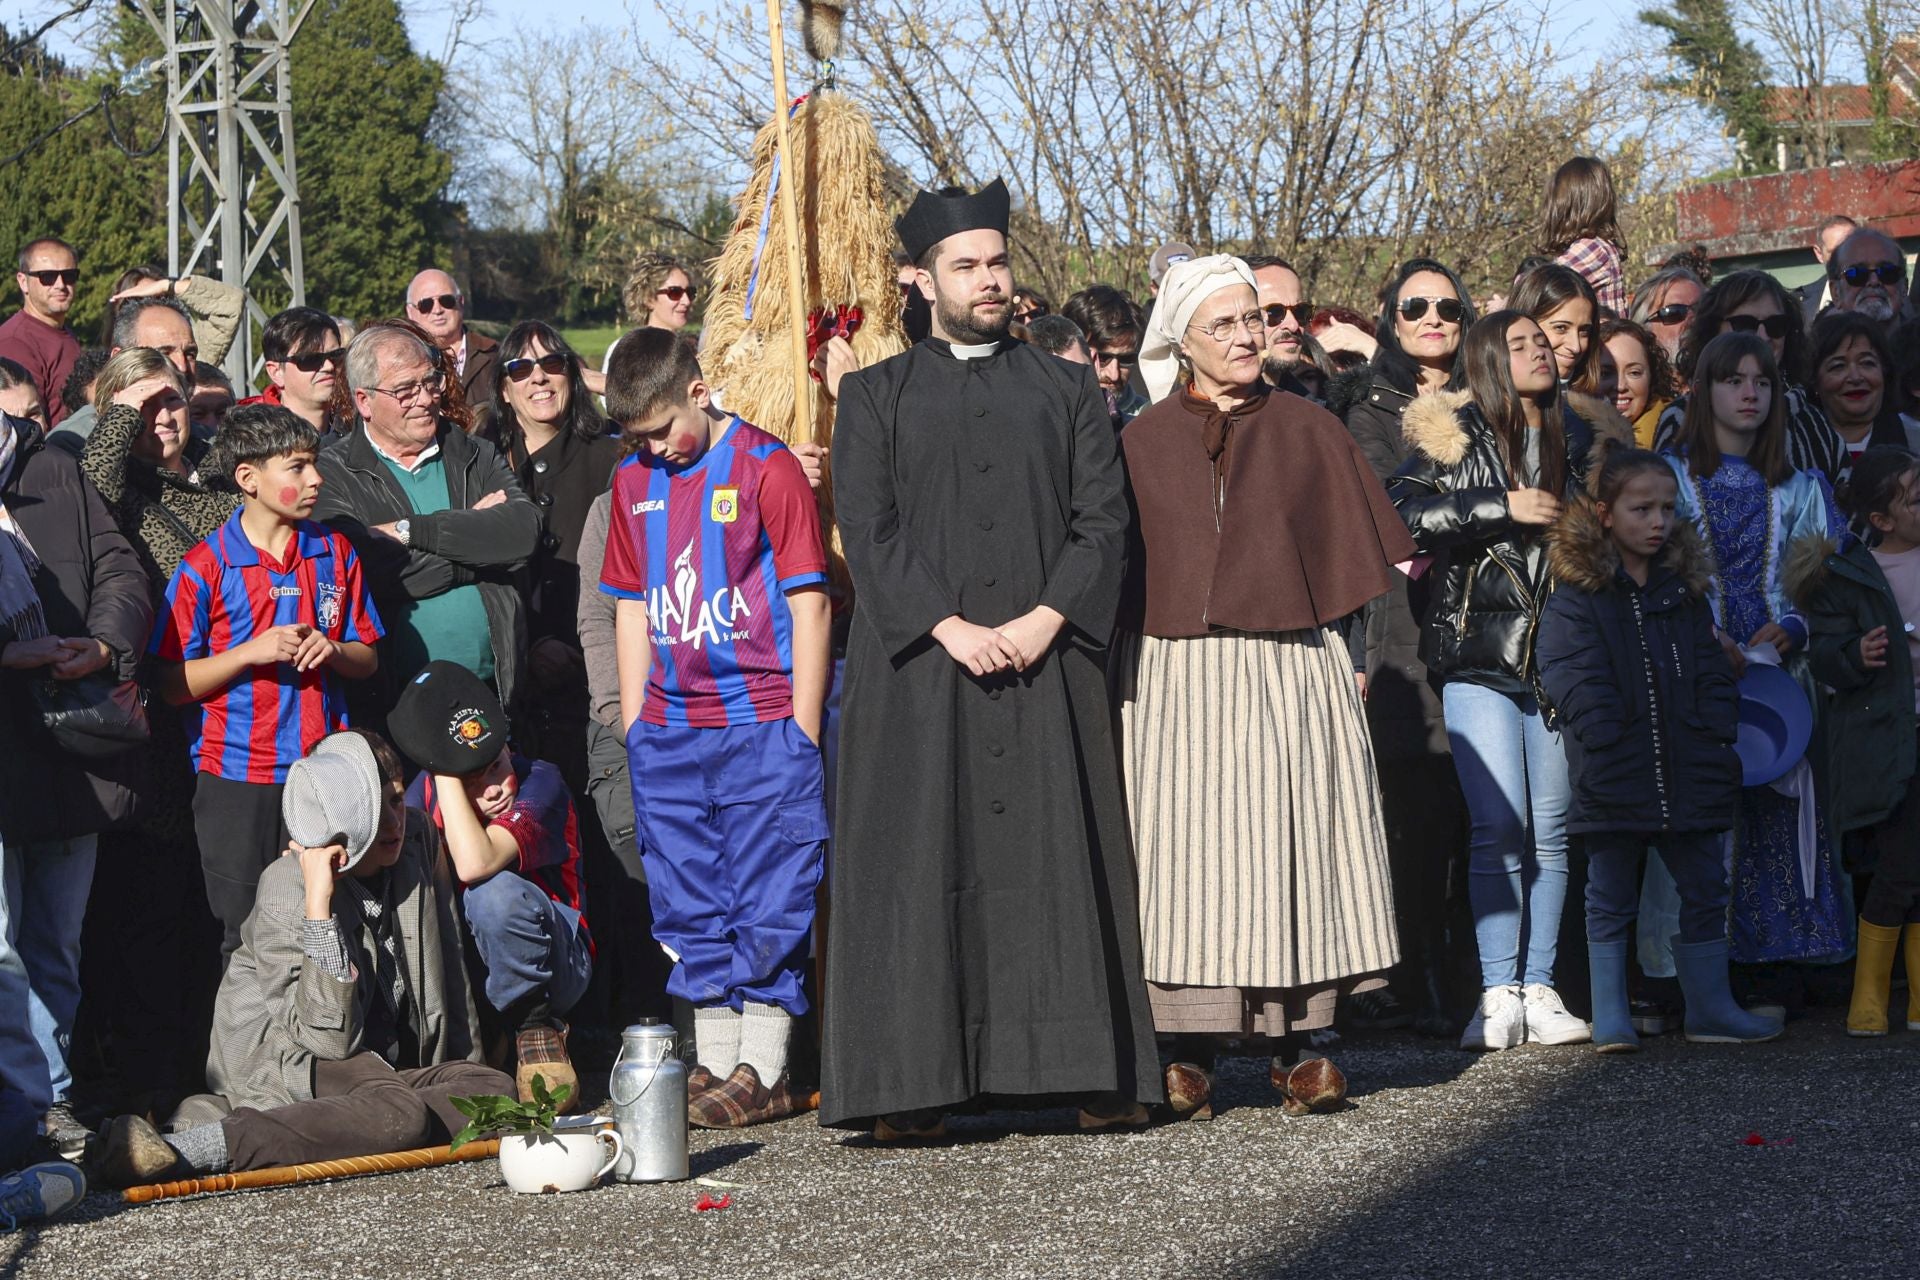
<point>1424,311</point>
<point>548,430</point>
<point>1265,892</point>
<point>1754,302</point>
<point>1494,457</point>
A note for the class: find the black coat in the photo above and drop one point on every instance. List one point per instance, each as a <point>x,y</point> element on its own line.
<point>1403,708</point>
<point>562,479</point>
<point>448,548</point>
<point>1644,694</point>
<point>1489,579</point>
<point>90,584</point>
<point>984,934</point>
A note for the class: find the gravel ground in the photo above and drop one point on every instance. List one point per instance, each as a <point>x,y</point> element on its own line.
<point>1532,1162</point>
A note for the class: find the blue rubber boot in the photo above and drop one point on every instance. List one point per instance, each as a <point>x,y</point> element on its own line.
<point>1612,1019</point>
<point>1713,1016</point>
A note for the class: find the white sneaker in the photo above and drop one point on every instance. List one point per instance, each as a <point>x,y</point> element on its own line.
<point>1548,1021</point>
<point>1499,1023</point>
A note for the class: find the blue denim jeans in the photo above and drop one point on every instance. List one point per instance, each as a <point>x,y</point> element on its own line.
<point>47,883</point>
<point>529,945</point>
<point>1513,774</point>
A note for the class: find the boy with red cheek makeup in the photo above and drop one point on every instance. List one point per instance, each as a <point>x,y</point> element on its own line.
<point>263,621</point>
<point>715,559</point>
<point>512,837</point>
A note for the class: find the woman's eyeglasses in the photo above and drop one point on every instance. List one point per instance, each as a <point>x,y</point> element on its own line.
<point>1776,326</point>
<point>553,364</point>
<point>675,292</point>
<point>1448,309</point>
<point>1222,330</point>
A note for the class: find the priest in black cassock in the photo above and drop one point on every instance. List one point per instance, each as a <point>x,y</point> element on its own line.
<point>984,940</point>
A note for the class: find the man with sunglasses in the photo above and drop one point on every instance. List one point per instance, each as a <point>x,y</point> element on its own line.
<point>1868,274</point>
<point>1284,307</point>
<point>435,303</point>
<point>36,336</point>
<point>1112,323</point>
<point>303,355</point>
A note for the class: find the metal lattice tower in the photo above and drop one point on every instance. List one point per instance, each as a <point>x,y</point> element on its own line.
<point>233,211</point>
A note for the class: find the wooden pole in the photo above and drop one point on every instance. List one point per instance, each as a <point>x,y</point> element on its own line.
<point>790,226</point>
<point>320,1171</point>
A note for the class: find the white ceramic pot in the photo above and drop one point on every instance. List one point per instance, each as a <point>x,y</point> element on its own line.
<point>539,1162</point>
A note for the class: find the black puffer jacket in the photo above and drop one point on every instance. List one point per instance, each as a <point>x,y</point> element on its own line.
<point>1489,580</point>
<point>1641,687</point>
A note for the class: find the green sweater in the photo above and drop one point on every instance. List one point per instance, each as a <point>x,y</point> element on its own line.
<point>451,626</point>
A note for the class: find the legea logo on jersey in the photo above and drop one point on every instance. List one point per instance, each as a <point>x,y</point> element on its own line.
<point>681,614</point>
<point>641,508</point>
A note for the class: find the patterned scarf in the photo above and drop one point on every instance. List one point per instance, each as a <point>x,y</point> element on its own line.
<point>21,615</point>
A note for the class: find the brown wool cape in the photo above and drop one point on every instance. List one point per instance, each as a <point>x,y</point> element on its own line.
<point>1305,534</point>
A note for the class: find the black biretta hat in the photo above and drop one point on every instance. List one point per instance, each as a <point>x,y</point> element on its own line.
<point>448,721</point>
<point>932,217</point>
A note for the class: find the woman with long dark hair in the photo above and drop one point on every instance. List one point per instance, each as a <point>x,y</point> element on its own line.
<point>1753,302</point>
<point>1493,459</point>
<point>548,430</point>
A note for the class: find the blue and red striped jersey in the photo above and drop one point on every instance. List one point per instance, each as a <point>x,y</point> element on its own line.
<point>543,825</point>
<point>225,592</point>
<point>712,548</point>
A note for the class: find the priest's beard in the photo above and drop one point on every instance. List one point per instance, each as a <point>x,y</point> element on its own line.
<point>968,325</point>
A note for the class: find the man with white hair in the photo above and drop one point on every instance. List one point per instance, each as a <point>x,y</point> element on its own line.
<point>436,304</point>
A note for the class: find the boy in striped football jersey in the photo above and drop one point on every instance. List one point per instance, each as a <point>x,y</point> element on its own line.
<point>715,558</point>
<point>262,622</point>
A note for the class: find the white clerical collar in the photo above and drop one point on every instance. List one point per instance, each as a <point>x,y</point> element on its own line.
<point>977,351</point>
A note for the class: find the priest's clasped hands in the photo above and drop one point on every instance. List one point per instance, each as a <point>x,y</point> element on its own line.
<point>1014,645</point>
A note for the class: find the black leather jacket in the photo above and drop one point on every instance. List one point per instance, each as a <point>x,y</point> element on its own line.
<point>1490,579</point>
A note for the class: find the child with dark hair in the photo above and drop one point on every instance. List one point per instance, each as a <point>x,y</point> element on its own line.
<point>262,620</point>
<point>1579,226</point>
<point>1648,711</point>
<point>1863,605</point>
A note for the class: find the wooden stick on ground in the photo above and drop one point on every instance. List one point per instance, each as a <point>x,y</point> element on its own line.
<point>320,1171</point>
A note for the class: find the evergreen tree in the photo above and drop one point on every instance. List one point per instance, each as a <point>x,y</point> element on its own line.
<point>1724,72</point>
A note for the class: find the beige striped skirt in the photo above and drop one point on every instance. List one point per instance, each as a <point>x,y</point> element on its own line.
<point>1256,816</point>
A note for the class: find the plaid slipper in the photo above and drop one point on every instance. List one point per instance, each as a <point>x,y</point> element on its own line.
<point>542,1051</point>
<point>741,1100</point>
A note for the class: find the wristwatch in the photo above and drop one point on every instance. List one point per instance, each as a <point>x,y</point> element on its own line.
<point>403,530</point>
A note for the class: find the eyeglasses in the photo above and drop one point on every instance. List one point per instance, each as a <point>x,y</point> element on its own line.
<point>1277,314</point>
<point>1448,309</point>
<point>553,364</point>
<point>1887,272</point>
<point>1125,359</point>
<point>1672,313</point>
<point>408,392</point>
<point>1222,330</point>
<point>313,361</point>
<point>445,301</point>
<point>675,292</point>
<point>69,277</point>
<point>1776,326</point>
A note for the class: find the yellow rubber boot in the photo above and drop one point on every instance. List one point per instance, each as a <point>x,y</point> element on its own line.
<point>1913,977</point>
<point>1873,979</point>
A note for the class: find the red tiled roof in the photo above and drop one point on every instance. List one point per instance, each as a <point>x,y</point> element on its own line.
<point>1845,103</point>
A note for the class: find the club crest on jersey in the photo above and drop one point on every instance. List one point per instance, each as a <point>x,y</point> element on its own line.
<point>327,607</point>
<point>726,505</point>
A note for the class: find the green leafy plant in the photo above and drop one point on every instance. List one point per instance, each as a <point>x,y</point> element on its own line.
<point>493,1113</point>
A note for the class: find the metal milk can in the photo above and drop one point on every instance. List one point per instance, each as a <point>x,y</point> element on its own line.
<point>649,1091</point>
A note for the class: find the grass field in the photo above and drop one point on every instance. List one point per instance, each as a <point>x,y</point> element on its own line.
<point>592,344</point>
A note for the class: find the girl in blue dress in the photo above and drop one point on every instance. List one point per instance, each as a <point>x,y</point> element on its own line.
<point>1749,504</point>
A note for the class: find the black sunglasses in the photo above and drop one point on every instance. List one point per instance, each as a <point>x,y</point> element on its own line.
<point>69,277</point>
<point>1277,314</point>
<point>1776,326</point>
<point>1856,275</point>
<point>675,292</point>
<point>311,361</point>
<point>1126,359</point>
<point>553,364</point>
<point>1448,309</point>
<point>447,301</point>
<point>1672,313</point>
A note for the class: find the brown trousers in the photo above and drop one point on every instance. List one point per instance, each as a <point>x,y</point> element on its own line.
<point>360,1107</point>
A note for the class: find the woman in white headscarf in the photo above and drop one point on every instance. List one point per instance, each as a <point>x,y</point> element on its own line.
<point>1256,816</point>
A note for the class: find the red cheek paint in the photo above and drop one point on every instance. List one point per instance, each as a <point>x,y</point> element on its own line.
<point>289,496</point>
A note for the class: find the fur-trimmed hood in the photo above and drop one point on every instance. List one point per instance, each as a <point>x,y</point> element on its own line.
<point>1434,425</point>
<point>1804,571</point>
<point>1583,556</point>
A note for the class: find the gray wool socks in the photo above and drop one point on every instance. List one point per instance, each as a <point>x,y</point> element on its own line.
<point>716,1040</point>
<point>764,1029</point>
<point>204,1147</point>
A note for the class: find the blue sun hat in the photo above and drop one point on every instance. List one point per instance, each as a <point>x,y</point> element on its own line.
<point>1776,723</point>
